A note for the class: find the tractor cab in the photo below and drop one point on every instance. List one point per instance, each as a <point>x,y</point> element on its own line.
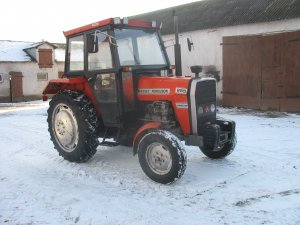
<point>113,55</point>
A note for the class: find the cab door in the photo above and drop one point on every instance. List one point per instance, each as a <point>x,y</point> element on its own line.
<point>103,77</point>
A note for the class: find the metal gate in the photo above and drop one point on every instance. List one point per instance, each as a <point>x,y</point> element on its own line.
<point>262,72</point>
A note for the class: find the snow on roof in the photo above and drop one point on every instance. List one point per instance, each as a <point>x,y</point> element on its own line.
<point>37,44</point>
<point>13,51</point>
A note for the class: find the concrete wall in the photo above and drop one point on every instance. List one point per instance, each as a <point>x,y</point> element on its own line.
<point>207,43</point>
<point>32,88</point>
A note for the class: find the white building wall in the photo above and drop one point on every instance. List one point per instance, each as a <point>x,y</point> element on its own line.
<point>32,87</point>
<point>4,84</point>
<point>207,43</point>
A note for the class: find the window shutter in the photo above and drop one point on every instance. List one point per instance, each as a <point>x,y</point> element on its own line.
<point>45,58</point>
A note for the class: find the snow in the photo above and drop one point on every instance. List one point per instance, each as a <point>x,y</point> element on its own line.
<point>258,183</point>
<point>12,51</point>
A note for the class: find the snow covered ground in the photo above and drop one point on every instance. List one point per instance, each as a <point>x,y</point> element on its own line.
<point>259,183</point>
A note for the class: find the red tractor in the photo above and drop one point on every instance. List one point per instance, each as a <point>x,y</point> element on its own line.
<point>119,90</point>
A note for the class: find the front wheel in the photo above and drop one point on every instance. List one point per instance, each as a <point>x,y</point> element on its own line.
<point>162,156</point>
<point>221,151</point>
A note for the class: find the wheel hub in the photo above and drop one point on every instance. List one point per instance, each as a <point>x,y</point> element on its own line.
<point>159,158</point>
<point>65,127</point>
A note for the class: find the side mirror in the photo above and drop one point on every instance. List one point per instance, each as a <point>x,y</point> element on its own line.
<point>92,44</point>
<point>190,44</point>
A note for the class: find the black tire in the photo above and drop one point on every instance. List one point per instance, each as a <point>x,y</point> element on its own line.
<point>72,123</point>
<point>162,156</point>
<point>220,152</point>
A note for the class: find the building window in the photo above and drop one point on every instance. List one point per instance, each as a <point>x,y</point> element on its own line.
<point>1,78</point>
<point>42,76</point>
<point>45,58</point>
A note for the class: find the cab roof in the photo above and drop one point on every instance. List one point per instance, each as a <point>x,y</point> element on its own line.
<point>112,21</point>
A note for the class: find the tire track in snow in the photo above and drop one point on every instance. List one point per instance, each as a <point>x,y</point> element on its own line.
<point>252,200</point>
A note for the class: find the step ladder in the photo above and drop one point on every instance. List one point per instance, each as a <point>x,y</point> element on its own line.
<point>110,143</point>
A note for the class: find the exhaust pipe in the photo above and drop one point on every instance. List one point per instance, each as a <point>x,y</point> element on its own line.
<point>177,48</point>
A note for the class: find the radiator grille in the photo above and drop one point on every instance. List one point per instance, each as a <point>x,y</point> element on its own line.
<point>202,95</point>
<point>205,92</point>
<point>205,96</point>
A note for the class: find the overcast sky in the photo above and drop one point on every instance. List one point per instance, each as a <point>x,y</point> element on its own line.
<point>34,20</point>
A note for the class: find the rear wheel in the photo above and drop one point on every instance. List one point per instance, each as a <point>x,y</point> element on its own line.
<point>162,156</point>
<point>72,123</point>
<point>221,151</point>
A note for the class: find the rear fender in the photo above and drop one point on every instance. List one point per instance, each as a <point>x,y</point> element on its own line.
<point>141,131</point>
<point>79,84</point>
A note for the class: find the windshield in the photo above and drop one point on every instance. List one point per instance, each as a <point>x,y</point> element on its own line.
<point>139,47</point>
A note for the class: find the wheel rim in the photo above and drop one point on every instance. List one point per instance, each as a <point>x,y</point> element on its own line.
<point>159,158</point>
<point>65,127</point>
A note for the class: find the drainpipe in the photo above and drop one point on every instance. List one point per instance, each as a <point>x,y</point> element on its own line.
<point>10,89</point>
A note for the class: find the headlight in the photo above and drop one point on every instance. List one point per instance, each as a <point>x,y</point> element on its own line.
<point>200,111</point>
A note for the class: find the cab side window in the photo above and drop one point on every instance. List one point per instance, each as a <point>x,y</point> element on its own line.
<point>76,53</point>
<point>99,53</point>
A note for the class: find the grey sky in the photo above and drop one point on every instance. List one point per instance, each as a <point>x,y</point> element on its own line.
<point>34,20</point>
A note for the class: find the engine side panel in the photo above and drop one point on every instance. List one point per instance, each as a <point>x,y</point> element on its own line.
<point>173,89</point>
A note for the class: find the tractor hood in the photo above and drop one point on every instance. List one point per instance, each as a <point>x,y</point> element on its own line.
<point>162,88</point>
<point>172,89</point>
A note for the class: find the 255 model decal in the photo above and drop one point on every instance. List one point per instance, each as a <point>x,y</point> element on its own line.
<point>182,91</point>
